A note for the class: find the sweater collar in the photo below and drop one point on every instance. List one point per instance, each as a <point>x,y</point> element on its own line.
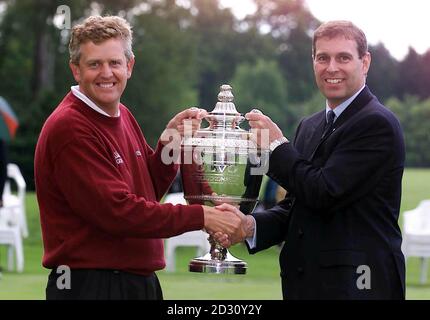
<point>81,96</point>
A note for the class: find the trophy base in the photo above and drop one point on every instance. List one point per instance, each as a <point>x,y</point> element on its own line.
<point>230,265</point>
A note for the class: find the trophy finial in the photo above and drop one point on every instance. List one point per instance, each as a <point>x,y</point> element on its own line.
<point>225,103</point>
<point>225,94</point>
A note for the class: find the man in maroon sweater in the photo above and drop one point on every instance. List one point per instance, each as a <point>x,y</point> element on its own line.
<point>99,183</point>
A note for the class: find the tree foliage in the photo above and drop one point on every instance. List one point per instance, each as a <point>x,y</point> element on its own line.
<point>383,73</point>
<point>261,86</point>
<point>414,116</point>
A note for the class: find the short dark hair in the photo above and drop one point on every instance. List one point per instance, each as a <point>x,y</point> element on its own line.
<point>344,28</point>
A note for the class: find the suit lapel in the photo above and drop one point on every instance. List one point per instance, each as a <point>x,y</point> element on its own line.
<point>313,133</point>
<point>356,105</point>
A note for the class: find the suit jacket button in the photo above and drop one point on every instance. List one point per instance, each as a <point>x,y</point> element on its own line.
<point>300,232</point>
<point>300,270</point>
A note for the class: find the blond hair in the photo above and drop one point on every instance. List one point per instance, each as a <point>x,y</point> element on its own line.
<point>98,29</point>
<point>337,28</point>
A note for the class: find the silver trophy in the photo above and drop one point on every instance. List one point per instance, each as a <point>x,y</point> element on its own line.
<point>221,164</point>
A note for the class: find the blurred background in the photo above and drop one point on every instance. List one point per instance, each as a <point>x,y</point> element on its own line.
<point>185,49</point>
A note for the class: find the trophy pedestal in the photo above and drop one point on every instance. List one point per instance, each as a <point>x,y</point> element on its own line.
<point>206,264</point>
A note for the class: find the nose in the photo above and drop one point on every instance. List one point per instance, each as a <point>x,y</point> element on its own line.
<point>332,66</point>
<point>106,70</point>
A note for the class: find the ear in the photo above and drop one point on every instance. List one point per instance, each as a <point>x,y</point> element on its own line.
<point>366,62</point>
<point>75,71</point>
<point>130,65</point>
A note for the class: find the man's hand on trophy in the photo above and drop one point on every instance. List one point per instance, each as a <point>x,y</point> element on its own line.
<point>186,122</point>
<point>225,222</point>
<point>264,130</point>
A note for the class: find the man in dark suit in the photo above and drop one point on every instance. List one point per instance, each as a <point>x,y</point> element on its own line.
<point>343,174</point>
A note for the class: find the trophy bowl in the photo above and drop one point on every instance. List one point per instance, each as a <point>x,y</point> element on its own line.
<point>221,164</point>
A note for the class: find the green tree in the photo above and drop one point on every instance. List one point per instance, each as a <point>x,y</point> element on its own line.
<point>164,74</point>
<point>290,24</point>
<point>424,91</point>
<point>221,46</point>
<point>410,69</point>
<point>383,73</point>
<point>262,86</point>
<point>296,64</point>
<point>414,116</point>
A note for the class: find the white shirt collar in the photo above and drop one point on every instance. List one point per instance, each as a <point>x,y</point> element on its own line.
<point>78,94</point>
<point>340,108</point>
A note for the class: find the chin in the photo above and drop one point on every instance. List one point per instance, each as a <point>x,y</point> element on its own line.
<point>330,94</point>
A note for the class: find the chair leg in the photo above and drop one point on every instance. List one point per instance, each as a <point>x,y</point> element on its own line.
<point>424,267</point>
<point>24,227</point>
<point>200,250</point>
<point>19,252</point>
<point>170,259</point>
<point>10,257</point>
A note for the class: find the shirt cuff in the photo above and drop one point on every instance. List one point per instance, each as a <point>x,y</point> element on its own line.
<point>252,241</point>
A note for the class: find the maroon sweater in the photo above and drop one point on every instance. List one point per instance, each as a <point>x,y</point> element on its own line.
<point>98,184</point>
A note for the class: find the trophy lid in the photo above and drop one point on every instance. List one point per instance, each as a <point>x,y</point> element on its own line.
<point>223,130</point>
<point>224,117</point>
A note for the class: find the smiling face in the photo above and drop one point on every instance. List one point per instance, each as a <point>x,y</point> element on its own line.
<point>102,73</point>
<point>339,71</point>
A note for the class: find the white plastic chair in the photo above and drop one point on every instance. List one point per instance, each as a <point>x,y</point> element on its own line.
<point>18,199</point>
<point>416,235</point>
<point>188,239</point>
<point>10,235</point>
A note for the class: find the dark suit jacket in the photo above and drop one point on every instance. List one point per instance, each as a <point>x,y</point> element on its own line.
<point>343,206</point>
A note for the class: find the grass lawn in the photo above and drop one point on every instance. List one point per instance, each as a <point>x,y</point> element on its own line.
<point>261,282</point>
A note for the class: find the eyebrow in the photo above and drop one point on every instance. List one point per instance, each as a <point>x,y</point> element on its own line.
<point>337,54</point>
<point>99,60</point>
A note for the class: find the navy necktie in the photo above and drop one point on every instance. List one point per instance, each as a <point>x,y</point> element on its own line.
<point>329,125</point>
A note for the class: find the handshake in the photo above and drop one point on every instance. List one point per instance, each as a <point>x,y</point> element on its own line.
<point>227,225</point>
